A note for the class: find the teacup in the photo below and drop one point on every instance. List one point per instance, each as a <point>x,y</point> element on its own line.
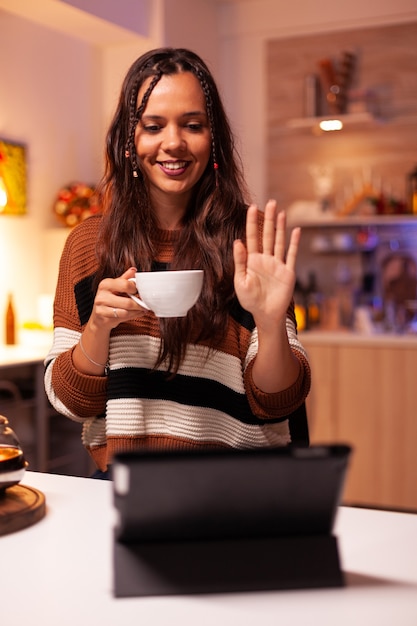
<point>168,294</point>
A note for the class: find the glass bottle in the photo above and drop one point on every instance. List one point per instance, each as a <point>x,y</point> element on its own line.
<point>412,191</point>
<point>10,322</point>
<point>313,302</point>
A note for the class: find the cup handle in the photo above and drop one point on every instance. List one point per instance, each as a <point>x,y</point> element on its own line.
<point>136,299</point>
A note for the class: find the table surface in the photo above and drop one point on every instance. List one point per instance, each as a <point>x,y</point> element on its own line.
<point>60,572</point>
<point>22,354</point>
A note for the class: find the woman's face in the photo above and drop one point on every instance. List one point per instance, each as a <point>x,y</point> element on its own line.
<point>173,139</point>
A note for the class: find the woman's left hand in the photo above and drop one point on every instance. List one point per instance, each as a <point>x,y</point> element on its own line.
<point>265,279</point>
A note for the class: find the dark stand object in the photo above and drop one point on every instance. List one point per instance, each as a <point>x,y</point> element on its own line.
<point>221,566</point>
<point>227,520</point>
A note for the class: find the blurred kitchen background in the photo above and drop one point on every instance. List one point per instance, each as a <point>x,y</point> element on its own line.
<point>282,69</point>
<point>350,189</point>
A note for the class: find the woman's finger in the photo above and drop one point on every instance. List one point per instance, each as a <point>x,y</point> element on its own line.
<point>240,259</point>
<point>252,229</point>
<point>269,230</point>
<point>280,236</point>
<point>293,248</point>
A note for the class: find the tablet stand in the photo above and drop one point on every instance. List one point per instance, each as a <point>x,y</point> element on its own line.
<point>217,566</point>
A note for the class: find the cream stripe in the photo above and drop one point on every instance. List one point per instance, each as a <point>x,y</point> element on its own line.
<point>63,340</point>
<point>153,417</point>
<point>293,338</point>
<point>142,351</point>
<point>252,348</point>
<point>94,432</point>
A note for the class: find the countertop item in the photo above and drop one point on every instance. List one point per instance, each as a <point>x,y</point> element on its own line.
<point>12,459</point>
<point>59,571</point>
<point>20,507</point>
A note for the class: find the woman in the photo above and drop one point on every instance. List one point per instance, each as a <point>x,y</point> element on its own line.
<point>232,370</point>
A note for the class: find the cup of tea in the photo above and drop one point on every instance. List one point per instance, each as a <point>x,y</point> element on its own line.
<point>170,293</point>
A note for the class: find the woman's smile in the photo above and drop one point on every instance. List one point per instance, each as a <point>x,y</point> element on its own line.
<point>173,168</point>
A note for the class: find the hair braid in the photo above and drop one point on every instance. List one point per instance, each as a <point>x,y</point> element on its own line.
<point>134,116</point>
<point>209,106</point>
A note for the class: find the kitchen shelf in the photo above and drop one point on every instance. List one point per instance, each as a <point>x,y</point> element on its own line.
<point>349,120</point>
<point>356,220</point>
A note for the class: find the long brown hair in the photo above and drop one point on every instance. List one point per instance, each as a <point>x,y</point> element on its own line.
<point>214,218</point>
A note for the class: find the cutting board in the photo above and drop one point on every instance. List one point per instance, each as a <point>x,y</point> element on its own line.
<point>20,507</point>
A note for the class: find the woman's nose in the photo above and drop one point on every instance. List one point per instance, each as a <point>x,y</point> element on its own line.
<point>173,138</point>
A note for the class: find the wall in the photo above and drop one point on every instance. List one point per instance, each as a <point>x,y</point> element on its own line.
<point>45,85</point>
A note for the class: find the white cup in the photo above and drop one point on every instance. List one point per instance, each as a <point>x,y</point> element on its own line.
<point>168,294</point>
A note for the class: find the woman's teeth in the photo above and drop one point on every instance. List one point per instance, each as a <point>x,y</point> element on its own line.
<point>178,165</point>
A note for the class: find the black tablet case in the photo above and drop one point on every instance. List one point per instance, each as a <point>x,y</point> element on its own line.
<point>227,520</point>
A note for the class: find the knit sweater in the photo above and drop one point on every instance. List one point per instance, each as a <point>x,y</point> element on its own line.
<point>211,401</point>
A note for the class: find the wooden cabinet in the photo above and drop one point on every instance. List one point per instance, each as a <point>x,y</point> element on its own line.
<point>364,392</point>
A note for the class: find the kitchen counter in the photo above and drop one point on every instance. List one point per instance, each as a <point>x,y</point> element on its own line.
<point>351,338</point>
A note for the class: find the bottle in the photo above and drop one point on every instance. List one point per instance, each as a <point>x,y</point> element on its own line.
<point>344,295</point>
<point>311,96</point>
<point>299,306</point>
<point>412,191</point>
<point>313,302</point>
<point>10,322</point>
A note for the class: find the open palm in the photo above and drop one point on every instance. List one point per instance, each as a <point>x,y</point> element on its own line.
<point>265,278</point>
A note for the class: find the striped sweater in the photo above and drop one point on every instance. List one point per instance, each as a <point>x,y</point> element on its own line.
<point>212,401</point>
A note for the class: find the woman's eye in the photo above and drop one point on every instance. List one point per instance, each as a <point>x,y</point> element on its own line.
<point>196,127</point>
<point>152,128</point>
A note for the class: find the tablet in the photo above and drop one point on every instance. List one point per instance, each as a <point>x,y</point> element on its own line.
<point>228,493</point>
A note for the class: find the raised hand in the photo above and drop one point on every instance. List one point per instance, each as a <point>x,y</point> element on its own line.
<point>265,278</point>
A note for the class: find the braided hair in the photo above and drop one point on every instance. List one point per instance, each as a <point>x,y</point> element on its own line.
<point>214,218</point>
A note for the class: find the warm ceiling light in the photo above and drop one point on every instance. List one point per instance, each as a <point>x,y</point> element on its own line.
<point>331,125</point>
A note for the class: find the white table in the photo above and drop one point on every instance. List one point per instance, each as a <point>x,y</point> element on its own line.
<point>59,571</point>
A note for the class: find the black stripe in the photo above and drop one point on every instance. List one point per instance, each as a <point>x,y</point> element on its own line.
<point>159,266</point>
<point>187,390</point>
<point>84,297</point>
<point>241,316</point>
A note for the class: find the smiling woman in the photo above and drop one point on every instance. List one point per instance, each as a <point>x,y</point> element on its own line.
<point>232,371</point>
